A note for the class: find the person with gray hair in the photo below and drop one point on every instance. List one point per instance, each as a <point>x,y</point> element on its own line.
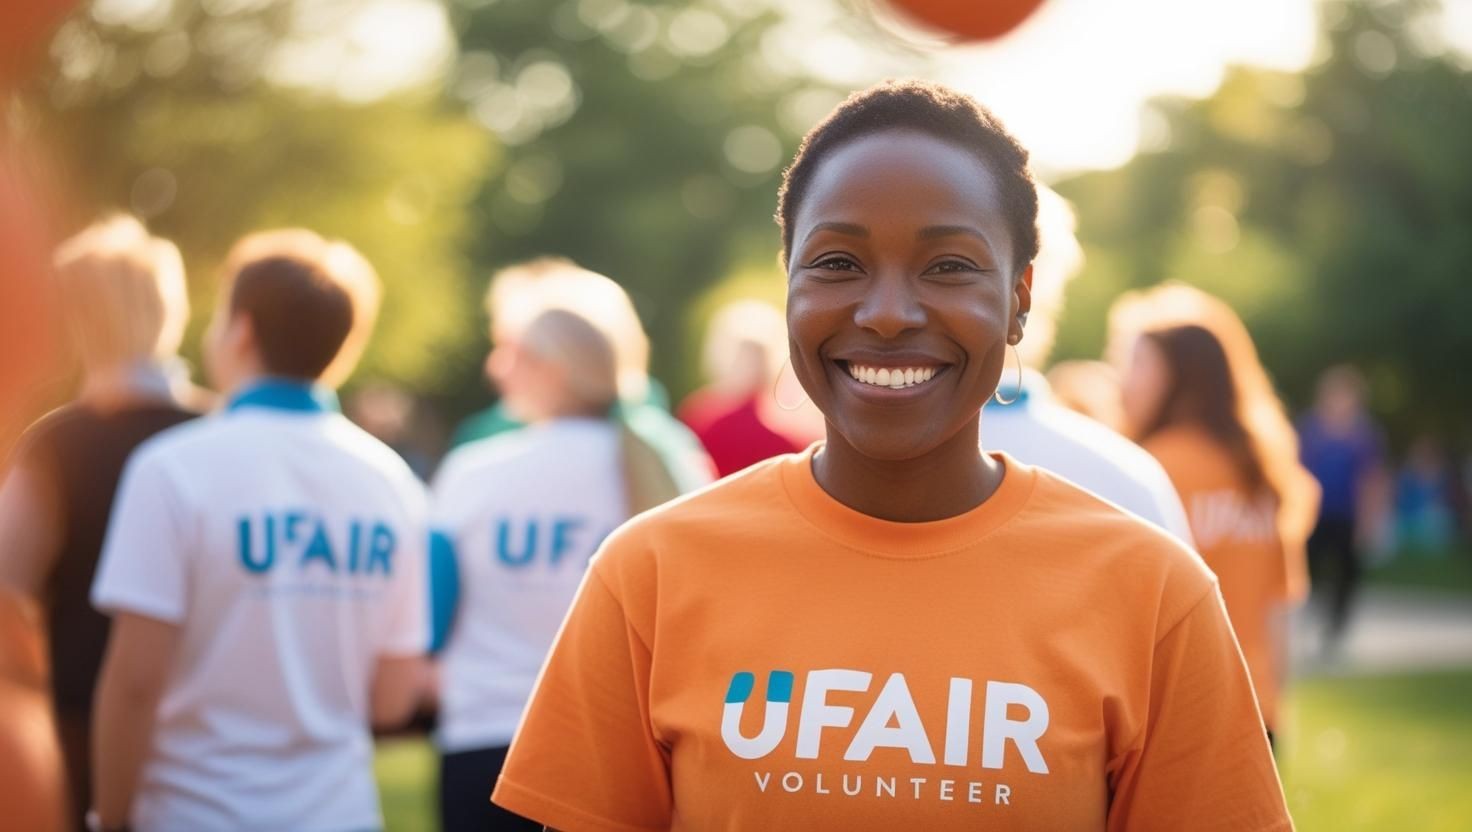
<point>1027,422</point>
<point>515,519</point>
<point>123,295</point>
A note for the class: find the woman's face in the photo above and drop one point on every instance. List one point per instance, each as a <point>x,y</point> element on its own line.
<point>1143,387</point>
<point>531,388</point>
<point>901,294</point>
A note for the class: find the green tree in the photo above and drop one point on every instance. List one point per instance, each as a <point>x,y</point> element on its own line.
<point>177,120</point>
<point>1331,208</point>
<point>643,139</point>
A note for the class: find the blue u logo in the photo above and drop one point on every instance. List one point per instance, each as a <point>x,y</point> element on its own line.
<point>774,720</point>
<point>553,538</point>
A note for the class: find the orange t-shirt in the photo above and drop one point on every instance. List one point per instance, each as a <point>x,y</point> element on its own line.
<point>1239,537</point>
<point>759,657</point>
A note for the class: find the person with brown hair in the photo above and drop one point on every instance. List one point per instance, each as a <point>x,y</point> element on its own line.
<point>1196,396</point>
<point>123,294</point>
<point>264,568</point>
<point>515,519</point>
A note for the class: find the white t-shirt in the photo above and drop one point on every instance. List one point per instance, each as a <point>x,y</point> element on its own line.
<point>287,545</point>
<point>1038,431</point>
<point>523,511</point>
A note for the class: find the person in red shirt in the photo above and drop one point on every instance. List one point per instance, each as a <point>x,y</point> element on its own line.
<point>736,416</point>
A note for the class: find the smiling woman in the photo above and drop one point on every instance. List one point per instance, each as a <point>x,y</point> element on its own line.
<point>894,629</point>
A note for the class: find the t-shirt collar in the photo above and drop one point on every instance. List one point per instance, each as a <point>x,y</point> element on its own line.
<point>290,395</point>
<point>887,538</point>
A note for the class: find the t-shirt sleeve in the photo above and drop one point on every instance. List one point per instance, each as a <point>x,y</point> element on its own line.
<point>585,756</point>
<point>406,621</point>
<point>144,566</point>
<point>1202,760</point>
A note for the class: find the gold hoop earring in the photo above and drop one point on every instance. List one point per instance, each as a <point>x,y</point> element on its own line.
<point>1017,395</point>
<point>777,382</point>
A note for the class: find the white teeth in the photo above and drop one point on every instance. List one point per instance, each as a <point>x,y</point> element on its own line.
<point>894,379</point>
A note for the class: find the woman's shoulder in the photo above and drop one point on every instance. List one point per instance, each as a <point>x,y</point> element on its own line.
<point>1065,520</point>
<point>742,497</point>
<point>746,499</point>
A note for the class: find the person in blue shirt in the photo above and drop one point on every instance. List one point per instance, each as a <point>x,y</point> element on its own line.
<point>1341,446</point>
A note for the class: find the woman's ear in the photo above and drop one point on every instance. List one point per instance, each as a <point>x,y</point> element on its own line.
<point>1022,304</point>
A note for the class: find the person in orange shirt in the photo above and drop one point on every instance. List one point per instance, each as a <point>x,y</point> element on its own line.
<point>1195,395</point>
<point>892,629</point>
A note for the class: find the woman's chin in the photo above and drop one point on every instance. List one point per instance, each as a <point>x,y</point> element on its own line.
<point>890,445</point>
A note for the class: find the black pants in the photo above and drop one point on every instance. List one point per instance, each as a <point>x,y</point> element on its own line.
<point>1336,570</point>
<point>466,780</point>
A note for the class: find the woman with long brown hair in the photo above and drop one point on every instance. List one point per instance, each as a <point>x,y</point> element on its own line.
<point>1196,396</point>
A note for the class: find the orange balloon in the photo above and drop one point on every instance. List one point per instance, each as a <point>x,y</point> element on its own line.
<point>969,19</point>
<point>32,783</point>
<point>27,314</point>
<point>24,29</point>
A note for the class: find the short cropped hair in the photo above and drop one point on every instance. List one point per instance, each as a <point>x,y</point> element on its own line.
<point>123,291</point>
<point>933,110</point>
<point>311,301</point>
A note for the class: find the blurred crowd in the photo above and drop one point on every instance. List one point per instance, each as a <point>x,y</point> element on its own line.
<point>1178,423</point>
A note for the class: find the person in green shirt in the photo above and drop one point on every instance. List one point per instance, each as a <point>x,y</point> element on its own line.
<point>519,293</point>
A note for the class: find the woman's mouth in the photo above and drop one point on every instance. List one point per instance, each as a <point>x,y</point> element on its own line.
<point>894,378</point>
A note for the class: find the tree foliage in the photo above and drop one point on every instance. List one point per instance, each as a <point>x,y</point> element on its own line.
<point>178,123</point>
<point>1331,208</point>
<point>644,140</point>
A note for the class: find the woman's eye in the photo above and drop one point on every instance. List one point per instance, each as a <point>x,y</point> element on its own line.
<point>836,263</point>
<point>953,267</point>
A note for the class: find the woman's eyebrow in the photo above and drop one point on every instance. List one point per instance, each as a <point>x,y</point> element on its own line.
<point>931,232</point>
<point>849,228</point>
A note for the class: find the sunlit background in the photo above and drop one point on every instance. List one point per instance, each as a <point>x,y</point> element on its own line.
<point>1310,161</point>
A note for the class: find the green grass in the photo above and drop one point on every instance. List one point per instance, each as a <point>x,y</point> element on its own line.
<point>1362,754</point>
<point>406,769</point>
<point>1381,753</point>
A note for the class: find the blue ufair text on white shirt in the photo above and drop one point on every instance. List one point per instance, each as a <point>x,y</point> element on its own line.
<point>305,540</point>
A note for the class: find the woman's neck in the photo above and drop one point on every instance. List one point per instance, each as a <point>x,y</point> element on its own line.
<point>949,480</point>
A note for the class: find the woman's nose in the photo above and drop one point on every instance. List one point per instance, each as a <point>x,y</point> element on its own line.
<point>890,308</point>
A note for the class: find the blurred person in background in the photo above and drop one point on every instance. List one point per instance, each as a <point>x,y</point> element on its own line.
<point>515,519</point>
<point>388,413</point>
<point>264,568</point>
<point>518,294</point>
<point>1342,447</point>
<point>1425,500</point>
<point>745,350</point>
<point>1090,388</point>
<point>123,293</point>
<point>897,629</point>
<point>1195,395</point>
<point>1025,421</point>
